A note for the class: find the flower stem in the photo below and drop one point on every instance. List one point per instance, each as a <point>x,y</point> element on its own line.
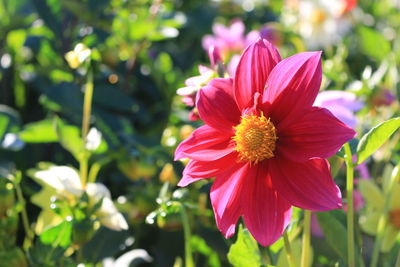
<point>306,238</point>
<point>186,231</point>
<point>398,260</point>
<point>24,215</point>
<point>350,205</point>
<point>288,249</point>
<point>383,219</point>
<point>87,107</point>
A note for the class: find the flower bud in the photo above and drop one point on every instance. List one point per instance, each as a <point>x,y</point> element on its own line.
<point>215,56</point>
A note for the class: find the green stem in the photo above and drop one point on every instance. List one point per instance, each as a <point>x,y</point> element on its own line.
<point>398,260</point>
<point>350,205</point>
<point>383,219</point>
<point>25,221</point>
<point>94,170</point>
<point>87,107</point>
<point>186,230</point>
<point>306,238</point>
<point>288,249</point>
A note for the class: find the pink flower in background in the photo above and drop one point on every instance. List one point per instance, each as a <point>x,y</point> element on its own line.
<point>193,84</point>
<point>384,97</point>
<point>265,143</point>
<point>229,40</point>
<point>341,104</point>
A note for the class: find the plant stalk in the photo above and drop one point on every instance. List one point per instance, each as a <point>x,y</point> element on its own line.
<point>306,238</point>
<point>288,249</point>
<point>186,231</point>
<point>383,220</point>
<point>24,215</point>
<point>350,205</point>
<point>87,107</point>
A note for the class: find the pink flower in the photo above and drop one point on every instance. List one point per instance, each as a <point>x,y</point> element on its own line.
<point>341,104</point>
<point>193,84</point>
<point>265,143</point>
<point>229,39</point>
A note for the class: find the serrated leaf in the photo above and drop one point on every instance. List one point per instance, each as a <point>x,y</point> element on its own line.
<point>59,235</point>
<point>378,135</point>
<point>245,251</point>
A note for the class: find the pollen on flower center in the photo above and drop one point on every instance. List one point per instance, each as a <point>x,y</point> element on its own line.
<point>255,138</point>
<point>394,216</point>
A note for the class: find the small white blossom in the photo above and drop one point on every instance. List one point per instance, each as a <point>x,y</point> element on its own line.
<point>66,181</point>
<point>93,139</point>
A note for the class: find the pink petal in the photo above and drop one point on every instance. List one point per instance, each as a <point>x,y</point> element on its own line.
<point>265,213</point>
<point>307,185</point>
<point>316,134</point>
<point>205,144</point>
<point>208,41</point>
<point>253,69</point>
<point>220,30</point>
<point>225,197</point>
<point>216,105</point>
<point>293,85</point>
<point>197,170</point>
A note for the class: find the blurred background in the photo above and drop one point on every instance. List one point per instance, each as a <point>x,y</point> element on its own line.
<point>136,55</point>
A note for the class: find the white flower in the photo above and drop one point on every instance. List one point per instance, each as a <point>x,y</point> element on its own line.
<point>108,214</point>
<point>320,22</point>
<point>76,57</point>
<point>12,142</point>
<point>93,139</point>
<point>66,181</point>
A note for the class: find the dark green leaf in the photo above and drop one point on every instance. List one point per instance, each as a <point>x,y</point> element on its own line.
<point>47,14</point>
<point>105,243</point>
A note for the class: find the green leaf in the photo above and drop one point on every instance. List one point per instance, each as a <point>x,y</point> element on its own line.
<point>373,43</point>
<point>332,224</point>
<point>39,132</point>
<point>105,243</point>
<point>59,235</point>
<point>245,251</point>
<point>199,245</point>
<point>378,135</point>
<point>48,12</point>
<point>4,120</point>
<point>70,138</point>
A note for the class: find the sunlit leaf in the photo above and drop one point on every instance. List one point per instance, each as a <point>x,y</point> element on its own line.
<point>245,251</point>
<point>39,132</point>
<point>59,235</point>
<point>332,224</point>
<point>378,135</point>
<point>373,43</point>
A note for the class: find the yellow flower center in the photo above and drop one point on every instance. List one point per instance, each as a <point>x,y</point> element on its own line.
<point>255,138</point>
<point>394,216</point>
